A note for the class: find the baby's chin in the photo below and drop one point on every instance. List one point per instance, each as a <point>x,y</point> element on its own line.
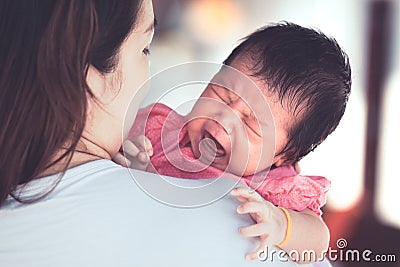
<point>240,172</point>
<point>248,171</point>
<point>243,173</point>
<point>224,164</point>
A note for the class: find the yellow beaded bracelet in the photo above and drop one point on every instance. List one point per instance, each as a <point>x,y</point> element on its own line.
<point>288,229</point>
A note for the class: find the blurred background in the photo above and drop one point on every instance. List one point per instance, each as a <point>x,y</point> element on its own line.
<point>360,157</point>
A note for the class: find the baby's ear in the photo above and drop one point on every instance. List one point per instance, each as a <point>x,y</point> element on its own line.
<point>279,161</point>
<point>297,167</point>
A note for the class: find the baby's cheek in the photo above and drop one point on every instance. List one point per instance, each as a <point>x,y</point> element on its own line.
<point>239,159</point>
<point>267,154</point>
<point>256,160</point>
<point>194,126</point>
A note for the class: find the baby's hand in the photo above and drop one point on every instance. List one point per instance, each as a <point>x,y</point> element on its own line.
<point>135,153</point>
<point>270,224</point>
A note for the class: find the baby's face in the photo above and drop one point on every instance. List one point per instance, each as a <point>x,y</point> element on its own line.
<point>232,128</point>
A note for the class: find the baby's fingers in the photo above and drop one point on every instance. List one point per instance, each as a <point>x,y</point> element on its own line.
<point>259,229</point>
<point>252,256</point>
<point>143,157</point>
<point>121,160</point>
<point>260,250</point>
<point>253,207</point>
<point>245,192</point>
<point>144,143</point>
<point>242,199</point>
<point>130,148</point>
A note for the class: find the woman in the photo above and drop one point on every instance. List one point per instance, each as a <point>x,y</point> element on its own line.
<point>68,70</point>
<point>66,59</point>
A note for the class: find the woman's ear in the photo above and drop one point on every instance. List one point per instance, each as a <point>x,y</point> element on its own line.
<point>104,87</point>
<point>96,82</point>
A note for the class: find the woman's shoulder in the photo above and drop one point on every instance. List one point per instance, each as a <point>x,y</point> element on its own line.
<point>100,214</point>
<point>72,183</point>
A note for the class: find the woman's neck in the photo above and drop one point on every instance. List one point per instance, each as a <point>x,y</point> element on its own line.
<point>85,152</point>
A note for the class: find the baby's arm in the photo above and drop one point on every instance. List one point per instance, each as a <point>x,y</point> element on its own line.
<point>309,232</point>
<point>135,153</point>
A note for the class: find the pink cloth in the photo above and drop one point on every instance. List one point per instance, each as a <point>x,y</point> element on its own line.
<point>166,129</point>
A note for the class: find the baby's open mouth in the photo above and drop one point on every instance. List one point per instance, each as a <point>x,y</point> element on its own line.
<point>214,145</point>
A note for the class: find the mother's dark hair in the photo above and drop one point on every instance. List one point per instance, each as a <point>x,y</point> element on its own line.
<point>46,48</point>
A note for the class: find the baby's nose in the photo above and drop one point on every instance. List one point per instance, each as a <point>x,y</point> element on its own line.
<point>229,120</point>
<point>227,125</point>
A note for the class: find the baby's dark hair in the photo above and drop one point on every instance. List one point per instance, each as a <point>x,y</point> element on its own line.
<point>310,75</point>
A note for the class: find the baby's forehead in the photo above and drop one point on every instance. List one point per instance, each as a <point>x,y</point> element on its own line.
<point>239,79</point>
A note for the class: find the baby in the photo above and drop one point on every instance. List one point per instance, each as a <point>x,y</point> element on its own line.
<point>304,77</point>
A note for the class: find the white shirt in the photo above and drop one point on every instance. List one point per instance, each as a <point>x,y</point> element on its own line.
<point>98,216</point>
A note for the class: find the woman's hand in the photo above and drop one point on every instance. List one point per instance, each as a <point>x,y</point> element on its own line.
<point>135,153</point>
<point>271,224</point>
